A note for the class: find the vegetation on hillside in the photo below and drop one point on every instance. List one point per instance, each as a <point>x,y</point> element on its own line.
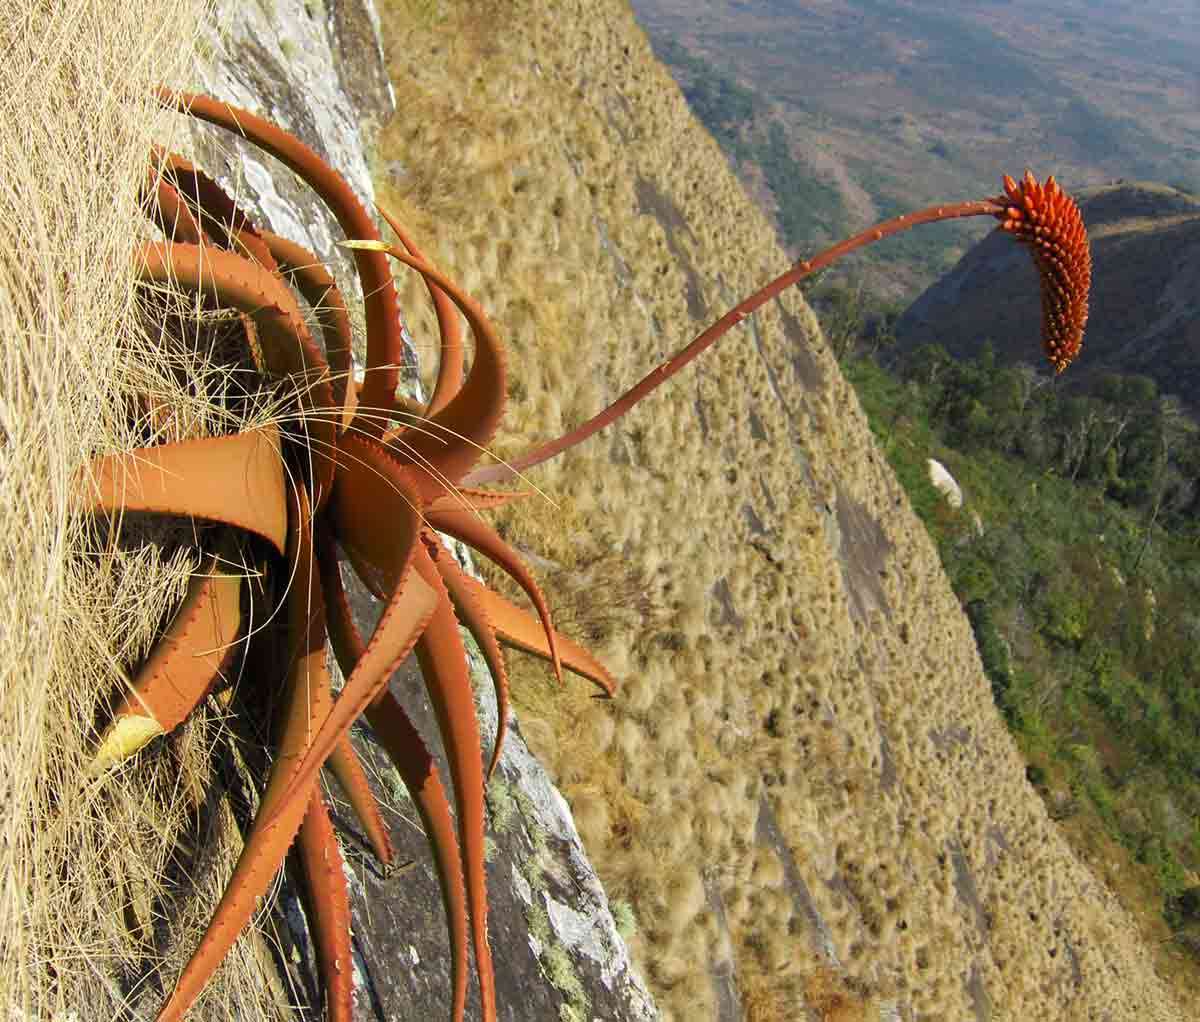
<point>748,690</point>
<point>892,103</point>
<point>1075,555</point>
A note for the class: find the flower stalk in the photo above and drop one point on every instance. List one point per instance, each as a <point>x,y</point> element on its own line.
<point>1042,217</point>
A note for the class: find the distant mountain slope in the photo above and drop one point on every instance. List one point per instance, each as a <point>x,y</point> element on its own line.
<point>1145,307</point>
<point>894,104</point>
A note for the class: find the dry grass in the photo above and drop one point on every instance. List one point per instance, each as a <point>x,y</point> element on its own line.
<point>92,867</point>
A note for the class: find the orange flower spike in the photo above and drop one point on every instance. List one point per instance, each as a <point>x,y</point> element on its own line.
<point>1046,219</point>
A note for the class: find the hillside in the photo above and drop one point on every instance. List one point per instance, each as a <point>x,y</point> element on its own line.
<point>886,105</point>
<point>1145,313</point>
<point>803,790</point>
<point>802,803</point>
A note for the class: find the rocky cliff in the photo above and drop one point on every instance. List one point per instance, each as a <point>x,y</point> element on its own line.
<point>318,71</point>
<point>803,789</point>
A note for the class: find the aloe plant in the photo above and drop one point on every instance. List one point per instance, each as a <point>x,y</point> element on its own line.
<point>364,470</point>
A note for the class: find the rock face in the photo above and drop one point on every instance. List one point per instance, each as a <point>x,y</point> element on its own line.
<point>317,70</point>
<point>803,788</point>
<point>803,792</point>
<point>1145,317</point>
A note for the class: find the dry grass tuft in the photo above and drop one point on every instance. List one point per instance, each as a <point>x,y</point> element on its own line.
<point>761,1000</point>
<point>597,601</point>
<point>827,995</point>
<point>84,910</point>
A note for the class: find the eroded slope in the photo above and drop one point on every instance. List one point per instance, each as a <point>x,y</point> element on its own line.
<point>803,788</point>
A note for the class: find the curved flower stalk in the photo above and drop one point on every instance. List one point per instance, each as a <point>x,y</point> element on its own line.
<point>351,470</point>
<point>1043,217</point>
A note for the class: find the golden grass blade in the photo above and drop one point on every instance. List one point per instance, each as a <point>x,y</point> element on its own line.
<point>166,208</point>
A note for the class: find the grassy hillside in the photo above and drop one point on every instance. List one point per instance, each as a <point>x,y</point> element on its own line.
<point>804,790</point>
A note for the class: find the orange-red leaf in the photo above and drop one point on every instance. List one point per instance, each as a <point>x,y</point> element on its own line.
<point>285,801</point>
<point>443,661</point>
<point>321,859</point>
<point>182,667</point>
<point>515,627</point>
<point>470,611</point>
<point>419,772</point>
<point>234,479</point>
<point>476,533</point>
<point>384,344</point>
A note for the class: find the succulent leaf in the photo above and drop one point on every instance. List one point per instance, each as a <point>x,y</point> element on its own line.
<point>182,668</point>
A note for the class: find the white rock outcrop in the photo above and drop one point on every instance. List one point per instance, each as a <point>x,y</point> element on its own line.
<point>945,483</point>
